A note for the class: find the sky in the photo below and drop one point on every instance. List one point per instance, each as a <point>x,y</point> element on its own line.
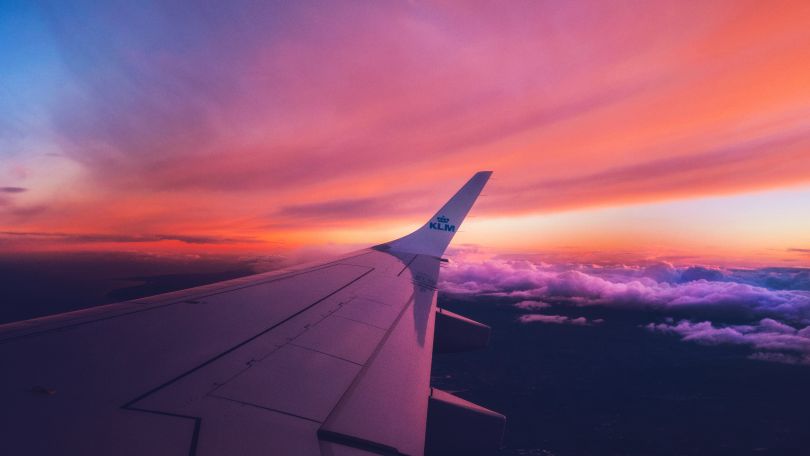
<point>676,130</point>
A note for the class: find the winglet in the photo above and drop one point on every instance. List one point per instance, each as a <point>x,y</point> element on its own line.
<point>434,236</point>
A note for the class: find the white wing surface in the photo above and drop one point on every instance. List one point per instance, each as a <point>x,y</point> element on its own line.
<point>326,359</point>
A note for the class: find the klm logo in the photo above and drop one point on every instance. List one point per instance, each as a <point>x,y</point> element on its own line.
<point>442,224</point>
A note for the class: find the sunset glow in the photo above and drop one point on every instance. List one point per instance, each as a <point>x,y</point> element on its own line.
<point>653,129</point>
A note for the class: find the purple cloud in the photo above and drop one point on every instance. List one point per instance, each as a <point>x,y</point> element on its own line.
<point>779,278</point>
<point>556,319</point>
<point>532,305</point>
<point>783,358</point>
<point>775,301</point>
<point>771,340</point>
<point>661,287</point>
<point>100,237</point>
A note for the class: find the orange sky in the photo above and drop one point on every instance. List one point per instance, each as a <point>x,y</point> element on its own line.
<point>657,128</point>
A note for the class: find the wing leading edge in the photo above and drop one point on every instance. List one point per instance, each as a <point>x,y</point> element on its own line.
<point>329,359</point>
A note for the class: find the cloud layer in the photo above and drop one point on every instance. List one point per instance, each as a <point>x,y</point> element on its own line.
<point>774,302</point>
<point>557,319</point>
<point>771,340</point>
<point>656,286</point>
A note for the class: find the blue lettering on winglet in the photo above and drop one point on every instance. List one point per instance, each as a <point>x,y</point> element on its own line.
<point>442,223</point>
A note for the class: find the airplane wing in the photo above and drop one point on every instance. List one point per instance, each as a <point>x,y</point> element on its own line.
<point>329,359</point>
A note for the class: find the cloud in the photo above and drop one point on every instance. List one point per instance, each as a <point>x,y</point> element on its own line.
<point>766,309</point>
<point>661,287</point>
<point>693,273</point>
<point>729,166</point>
<point>122,238</point>
<point>351,208</point>
<point>783,358</point>
<point>557,319</point>
<point>532,305</point>
<point>771,340</point>
<point>778,278</point>
<point>13,189</point>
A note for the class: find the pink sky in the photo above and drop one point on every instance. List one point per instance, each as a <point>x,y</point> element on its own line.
<point>654,128</point>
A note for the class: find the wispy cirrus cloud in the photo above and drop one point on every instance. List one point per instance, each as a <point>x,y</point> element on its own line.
<point>13,189</point>
<point>713,169</point>
<point>119,238</point>
<point>352,208</point>
<point>255,117</point>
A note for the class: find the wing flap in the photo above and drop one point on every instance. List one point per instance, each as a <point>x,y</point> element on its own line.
<point>293,380</point>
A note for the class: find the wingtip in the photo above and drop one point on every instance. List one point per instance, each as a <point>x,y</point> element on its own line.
<point>434,236</point>
<point>482,175</point>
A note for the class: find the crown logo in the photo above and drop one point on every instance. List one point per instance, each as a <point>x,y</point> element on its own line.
<point>442,219</point>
